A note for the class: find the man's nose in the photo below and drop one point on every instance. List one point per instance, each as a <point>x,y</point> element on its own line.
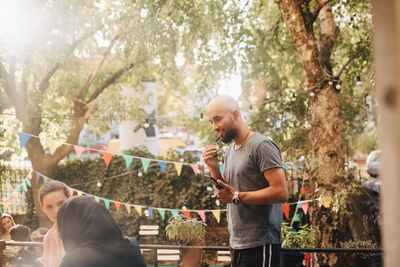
<point>215,127</point>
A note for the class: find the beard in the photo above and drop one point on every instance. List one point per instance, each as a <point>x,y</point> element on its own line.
<point>230,135</point>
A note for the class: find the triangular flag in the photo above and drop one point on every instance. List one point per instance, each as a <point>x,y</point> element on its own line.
<point>306,177</point>
<point>128,160</point>
<point>303,191</point>
<point>195,168</point>
<point>107,203</point>
<point>296,218</point>
<point>71,191</point>
<point>286,166</point>
<point>20,189</point>
<point>80,193</point>
<point>45,179</point>
<point>304,205</point>
<point>117,205</point>
<point>221,168</point>
<point>178,167</point>
<point>138,209</point>
<point>163,165</point>
<point>150,212</point>
<point>88,195</point>
<point>174,212</point>
<point>25,188</point>
<point>285,209</point>
<point>28,182</point>
<point>128,208</point>
<point>217,214</point>
<point>202,215</point>
<point>187,213</point>
<point>97,199</point>
<point>162,213</point>
<point>37,177</point>
<point>23,139</point>
<point>30,175</point>
<point>52,146</point>
<point>107,157</point>
<point>145,163</point>
<point>298,205</point>
<point>78,151</point>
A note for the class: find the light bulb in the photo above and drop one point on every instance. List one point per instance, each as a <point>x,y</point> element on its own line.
<point>98,184</point>
<point>140,174</point>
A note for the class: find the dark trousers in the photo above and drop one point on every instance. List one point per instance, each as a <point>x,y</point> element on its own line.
<point>267,255</point>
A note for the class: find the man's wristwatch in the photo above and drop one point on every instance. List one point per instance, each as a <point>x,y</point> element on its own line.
<point>236,199</point>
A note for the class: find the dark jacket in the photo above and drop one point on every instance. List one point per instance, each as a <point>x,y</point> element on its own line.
<point>92,238</point>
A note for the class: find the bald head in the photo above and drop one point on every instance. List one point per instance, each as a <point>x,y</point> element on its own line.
<point>225,102</point>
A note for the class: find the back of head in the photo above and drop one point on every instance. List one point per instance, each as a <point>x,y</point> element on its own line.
<point>20,232</point>
<point>83,222</point>
<point>52,186</point>
<point>38,234</point>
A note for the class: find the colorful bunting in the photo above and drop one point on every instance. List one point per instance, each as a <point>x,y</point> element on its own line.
<point>162,213</point>
<point>107,203</point>
<point>79,193</point>
<point>138,209</point>
<point>202,215</point>
<point>37,177</point>
<point>97,199</point>
<point>303,190</point>
<point>298,205</point>
<point>178,167</point>
<point>217,215</point>
<point>174,212</point>
<point>52,145</point>
<point>150,210</point>
<point>128,160</point>
<point>221,168</point>
<point>285,209</point>
<point>107,157</point>
<point>163,165</point>
<point>45,179</point>
<point>23,139</point>
<point>78,151</point>
<point>28,182</point>
<point>71,191</point>
<point>326,202</point>
<point>128,208</point>
<point>304,206</point>
<point>30,175</point>
<point>186,213</point>
<point>195,168</point>
<point>145,163</point>
<point>296,218</point>
<point>117,205</point>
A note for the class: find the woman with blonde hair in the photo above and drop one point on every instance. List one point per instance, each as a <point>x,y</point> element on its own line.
<point>7,222</point>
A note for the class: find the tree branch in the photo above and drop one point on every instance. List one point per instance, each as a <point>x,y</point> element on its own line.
<point>97,67</point>
<point>109,81</point>
<point>318,8</point>
<point>44,84</point>
<point>352,58</point>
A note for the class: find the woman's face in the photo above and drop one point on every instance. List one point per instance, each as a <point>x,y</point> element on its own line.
<point>51,202</point>
<point>7,223</point>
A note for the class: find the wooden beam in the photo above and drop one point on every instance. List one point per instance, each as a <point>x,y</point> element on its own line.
<point>386,36</point>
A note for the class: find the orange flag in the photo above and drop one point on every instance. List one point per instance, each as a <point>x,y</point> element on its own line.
<point>187,213</point>
<point>107,157</point>
<point>285,209</point>
<point>117,205</point>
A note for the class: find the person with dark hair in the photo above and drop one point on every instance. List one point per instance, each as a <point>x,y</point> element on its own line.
<point>92,238</point>
<point>7,222</point>
<point>21,233</point>
<point>51,196</point>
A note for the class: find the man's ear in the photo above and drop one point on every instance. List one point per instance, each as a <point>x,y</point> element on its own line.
<point>236,114</point>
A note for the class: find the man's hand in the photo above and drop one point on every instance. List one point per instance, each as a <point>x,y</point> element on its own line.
<point>210,156</point>
<point>226,194</point>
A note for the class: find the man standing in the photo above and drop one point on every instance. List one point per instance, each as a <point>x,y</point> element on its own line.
<point>254,186</point>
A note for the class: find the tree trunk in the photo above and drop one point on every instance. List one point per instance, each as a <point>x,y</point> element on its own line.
<point>326,140</point>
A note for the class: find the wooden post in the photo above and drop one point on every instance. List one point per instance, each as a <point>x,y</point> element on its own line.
<point>2,256</point>
<point>386,36</point>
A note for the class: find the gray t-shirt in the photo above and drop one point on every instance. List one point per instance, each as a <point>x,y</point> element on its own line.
<point>252,225</point>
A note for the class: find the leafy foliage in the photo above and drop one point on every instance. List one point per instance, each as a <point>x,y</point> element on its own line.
<point>303,238</point>
<point>185,230</point>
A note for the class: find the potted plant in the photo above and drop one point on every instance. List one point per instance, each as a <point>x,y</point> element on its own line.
<point>187,232</point>
<point>303,238</point>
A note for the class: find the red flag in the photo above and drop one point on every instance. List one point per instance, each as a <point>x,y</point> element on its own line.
<point>187,213</point>
<point>285,209</point>
<point>303,191</point>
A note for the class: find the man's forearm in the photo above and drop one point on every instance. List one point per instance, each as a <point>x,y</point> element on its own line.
<point>269,195</point>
